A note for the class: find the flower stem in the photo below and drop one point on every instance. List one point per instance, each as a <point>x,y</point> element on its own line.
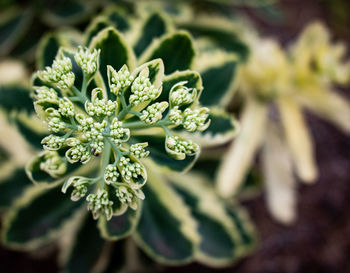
<point>105,160</point>
<point>82,97</point>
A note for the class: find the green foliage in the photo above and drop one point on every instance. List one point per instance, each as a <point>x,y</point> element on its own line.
<point>172,225</point>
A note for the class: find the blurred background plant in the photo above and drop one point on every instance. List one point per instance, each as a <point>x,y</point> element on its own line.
<point>304,76</point>
<point>274,85</point>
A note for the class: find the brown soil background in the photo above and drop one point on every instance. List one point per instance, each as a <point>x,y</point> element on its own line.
<point>319,242</point>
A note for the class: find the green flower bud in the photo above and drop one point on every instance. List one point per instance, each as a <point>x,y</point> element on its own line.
<point>138,150</point>
<point>179,148</point>
<point>154,112</point>
<point>196,120</point>
<point>60,74</point>
<point>87,60</point>
<point>100,204</point>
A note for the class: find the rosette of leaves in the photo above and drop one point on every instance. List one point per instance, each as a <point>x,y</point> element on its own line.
<point>172,224</point>
<point>23,23</point>
<point>304,76</point>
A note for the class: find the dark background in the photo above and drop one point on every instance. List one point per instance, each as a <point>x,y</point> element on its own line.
<point>319,241</point>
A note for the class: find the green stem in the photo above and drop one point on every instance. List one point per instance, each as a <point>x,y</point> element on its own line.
<point>84,86</point>
<point>81,96</point>
<point>119,153</point>
<point>105,160</point>
<point>124,112</point>
<point>68,134</point>
<point>137,125</point>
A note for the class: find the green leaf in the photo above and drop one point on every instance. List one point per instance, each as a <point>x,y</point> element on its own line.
<point>37,217</point>
<point>26,46</point>
<point>119,226</point>
<point>117,258</point>
<point>13,25</point>
<point>221,33</point>
<point>222,241</point>
<point>97,25</point>
<point>218,82</point>
<point>86,249</point>
<point>67,13</point>
<point>207,166</point>
<point>47,51</point>
<point>119,18</point>
<point>252,186</point>
<point>11,95</point>
<point>114,51</point>
<point>176,50</point>
<point>166,231</point>
<point>31,129</point>
<point>245,228</point>
<point>12,185</point>
<point>154,27</point>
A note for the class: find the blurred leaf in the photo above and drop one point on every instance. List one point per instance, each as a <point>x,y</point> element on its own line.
<point>48,50</point>
<point>29,130</point>
<point>66,12</point>
<point>224,38</point>
<point>221,242</point>
<point>155,26</point>
<point>166,230</point>
<point>97,25</point>
<point>119,18</point>
<point>13,25</point>
<point>176,50</point>
<point>37,217</point>
<point>12,185</point>
<point>16,97</point>
<point>119,226</point>
<point>218,81</point>
<point>86,249</point>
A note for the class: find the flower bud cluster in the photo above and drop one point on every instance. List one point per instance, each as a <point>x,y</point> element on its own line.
<point>92,122</point>
<point>196,120</point>
<point>66,107</point>
<point>182,95</point>
<point>111,174</point>
<point>138,150</point>
<point>78,152</point>
<point>52,142</point>
<point>60,74</point>
<point>175,116</point>
<point>52,164</point>
<point>180,148</point>
<point>118,133</point>
<point>119,80</point>
<point>45,93</point>
<point>154,112</point>
<point>130,170</point>
<point>142,91</point>
<point>80,187</point>
<point>54,121</point>
<point>100,106</point>
<point>99,203</point>
<point>129,196</point>
<point>87,60</point>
